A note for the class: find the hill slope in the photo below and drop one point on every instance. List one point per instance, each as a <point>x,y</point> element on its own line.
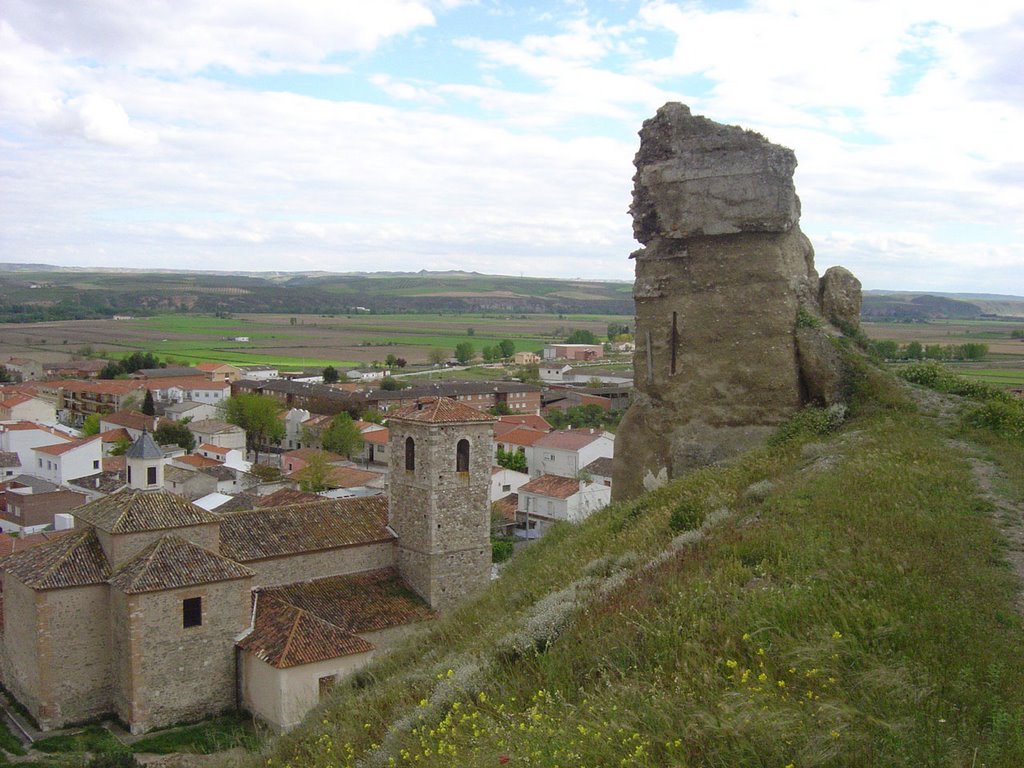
<point>839,598</point>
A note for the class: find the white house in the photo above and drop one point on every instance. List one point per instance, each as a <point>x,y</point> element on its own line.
<point>217,432</point>
<point>550,498</point>
<point>191,410</point>
<point>565,452</point>
<point>553,371</point>
<point>24,407</point>
<point>66,461</point>
<point>366,374</point>
<point>194,389</point>
<point>22,437</point>
<point>259,372</point>
<point>505,482</point>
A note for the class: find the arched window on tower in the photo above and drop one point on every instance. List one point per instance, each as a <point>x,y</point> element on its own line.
<point>410,454</point>
<point>462,456</point>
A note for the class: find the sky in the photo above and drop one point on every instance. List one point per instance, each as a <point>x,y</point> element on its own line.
<point>498,136</point>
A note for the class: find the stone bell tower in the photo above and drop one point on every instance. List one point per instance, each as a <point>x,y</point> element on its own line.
<point>439,491</point>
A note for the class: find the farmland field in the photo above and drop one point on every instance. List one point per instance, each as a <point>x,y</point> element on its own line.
<point>291,340</point>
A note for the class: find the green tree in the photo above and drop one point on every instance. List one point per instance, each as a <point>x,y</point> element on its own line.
<point>973,351</point>
<point>148,406</point>
<point>886,349</point>
<point>499,409</point>
<point>470,331</point>
<point>507,347</point>
<point>391,384</point>
<point>490,354</point>
<point>342,436</point>
<point>91,425</point>
<point>617,329</point>
<point>314,475</point>
<point>5,375</point>
<point>257,415</point>
<point>330,374</point>
<point>437,356</point>
<point>913,351</point>
<point>391,361</point>
<point>464,352</point>
<point>582,336</point>
<point>111,370</point>
<point>514,460</point>
<point>120,446</point>
<point>175,434</point>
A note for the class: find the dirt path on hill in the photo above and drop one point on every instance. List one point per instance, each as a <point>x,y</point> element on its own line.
<point>993,485</point>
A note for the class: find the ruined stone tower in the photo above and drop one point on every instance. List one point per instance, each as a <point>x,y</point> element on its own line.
<point>440,474</point>
<point>723,277</point>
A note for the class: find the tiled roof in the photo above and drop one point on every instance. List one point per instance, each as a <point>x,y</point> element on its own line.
<point>115,435</point>
<point>601,466</point>
<point>452,389</point>
<point>284,496</point>
<point>60,448</point>
<point>211,448</point>
<point>507,506</point>
<point>285,636</point>
<point>359,602</point>
<point>174,474</point>
<point>14,400</point>
<point>377,436</point>
<point>440,410</point>
<point>103,386</point>
<point>308,527</point>
<point>11,544</point>
<point>132,511</point>
<point>520,436</point>
<point>133,420</point>
<point>527,420</point>
<point>184,382</point>
<point>219,472</point>
<point>194,460</point>
<point>552,485</point>
<point>171,562</point>
<point>344,477</point>
<point>24,426</point>
<point>9,459</point>
<point>569,439</point>
<point>166,373</point>
<point>75,560</point>
<point>213,426</point>
<point>210,367</point>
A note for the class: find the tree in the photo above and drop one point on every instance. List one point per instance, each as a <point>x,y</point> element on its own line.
<point>514,460</point>
<point>91,425</point>
<point>499,409</point>
<point>507,347</point>
<point>617,329</point>
<point>373,416</point>
<point>120,446</point>
<point>111,370</point>
<point>913,351</point>
<point>401,362</point>
<point>464,352</point>
<point>391,384</point>
<point>148,406</point>
<point>175,434</point>
<point>313,476</point>
<point>330,374</point>
<point>490,354</point>
<point>257,415</point>
<point>391,361</point>
<point>437,356</point>
<point>886,349</point>
<point>973,351</point>
<point>470,331</point>
<point>5,375</point>
<point>582,336</point>
<point>342,436</point>
<point>528,373</point>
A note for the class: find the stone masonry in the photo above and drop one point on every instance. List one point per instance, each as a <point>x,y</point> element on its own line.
<point>723,276</point>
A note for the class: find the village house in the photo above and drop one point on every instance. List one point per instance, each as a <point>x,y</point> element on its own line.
<point>23,437</point>
<point>548,499</point>
<point>505,482</point>
<point>134,423</point>
<point>10,464</point>
<point>566,452</point>
<point>514,396</point>
<point>525,358</point>
<point>190,410</point>
<point>217,432</point>
<point>29,512</point>
<point>23,369</point>
<point>375,445</point>
<point>220,371</point>
<point>574,352</point>
<point>196,389</point>
<point>159,612</point>
<point>69,460</point>
<point>27,408</point>
<point>75,369</point>
<point>80,399</point>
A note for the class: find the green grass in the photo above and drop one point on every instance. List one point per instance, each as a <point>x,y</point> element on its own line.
<point>207,737</point>
<point>1001,377</point>
<point>855,610</point>
<point>9,742</point>
<point>93,738</point>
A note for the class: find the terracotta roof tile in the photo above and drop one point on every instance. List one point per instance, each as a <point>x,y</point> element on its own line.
<point>531,420</point>
<point>171,562</point>
<point>377,436</point>
<point>285,636</point>
<point>359,602</point>
<point>134,420</point>
<point>552,485</point>
<point>284,496</point>
<point>115,435</point>
<point>345,477</point>
<point>520,436</point>
<point>196,461</point>
<point>308,527</point>
<point>305,454</point>
<point>60,448</point>
<point>439,410</point>
<point>75,560</point>
<point>601,466</point>
<point>569,439</point>
<point>14,400</point>
<point>507,507</point>
<point>9,545</point>
<point>103,386</point>
<point>132,511</point>
<point>9,459</point>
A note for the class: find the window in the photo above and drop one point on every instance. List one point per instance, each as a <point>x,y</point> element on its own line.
<point>129,473</point>
<point>326,683</point>
<point>192,612</point>
<point>150,475</point>
<point>506,488</point>
<point>96,464</point>
<point>462,456</point>
<point>410,454</point>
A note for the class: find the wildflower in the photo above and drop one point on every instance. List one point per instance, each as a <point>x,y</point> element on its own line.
<point>834,733</point>
<point>746,635</point>
<point>837,635</point>
<point>502,759</point>
<point>731,664</point>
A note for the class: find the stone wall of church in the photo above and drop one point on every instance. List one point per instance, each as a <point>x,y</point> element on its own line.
<point>174,673</point>
<point>276,571</point>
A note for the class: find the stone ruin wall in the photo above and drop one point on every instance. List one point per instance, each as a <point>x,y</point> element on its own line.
<point>719,360</point>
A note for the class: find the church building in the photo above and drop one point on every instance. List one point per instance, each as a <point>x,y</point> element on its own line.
<point>157,611</point>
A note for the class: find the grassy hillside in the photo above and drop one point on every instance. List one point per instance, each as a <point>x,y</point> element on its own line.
<point>842,597</point>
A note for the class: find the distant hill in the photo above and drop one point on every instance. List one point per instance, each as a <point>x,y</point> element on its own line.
<point>32,293</point>
<point>39,292</point>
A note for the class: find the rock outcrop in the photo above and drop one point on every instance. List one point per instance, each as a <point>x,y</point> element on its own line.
<point>720,284</point>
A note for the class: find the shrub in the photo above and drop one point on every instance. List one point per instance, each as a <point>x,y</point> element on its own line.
<point>686,516</point>
<point>501,550</point>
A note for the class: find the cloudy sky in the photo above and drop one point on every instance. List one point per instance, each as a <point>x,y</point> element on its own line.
<point>498,135</point>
